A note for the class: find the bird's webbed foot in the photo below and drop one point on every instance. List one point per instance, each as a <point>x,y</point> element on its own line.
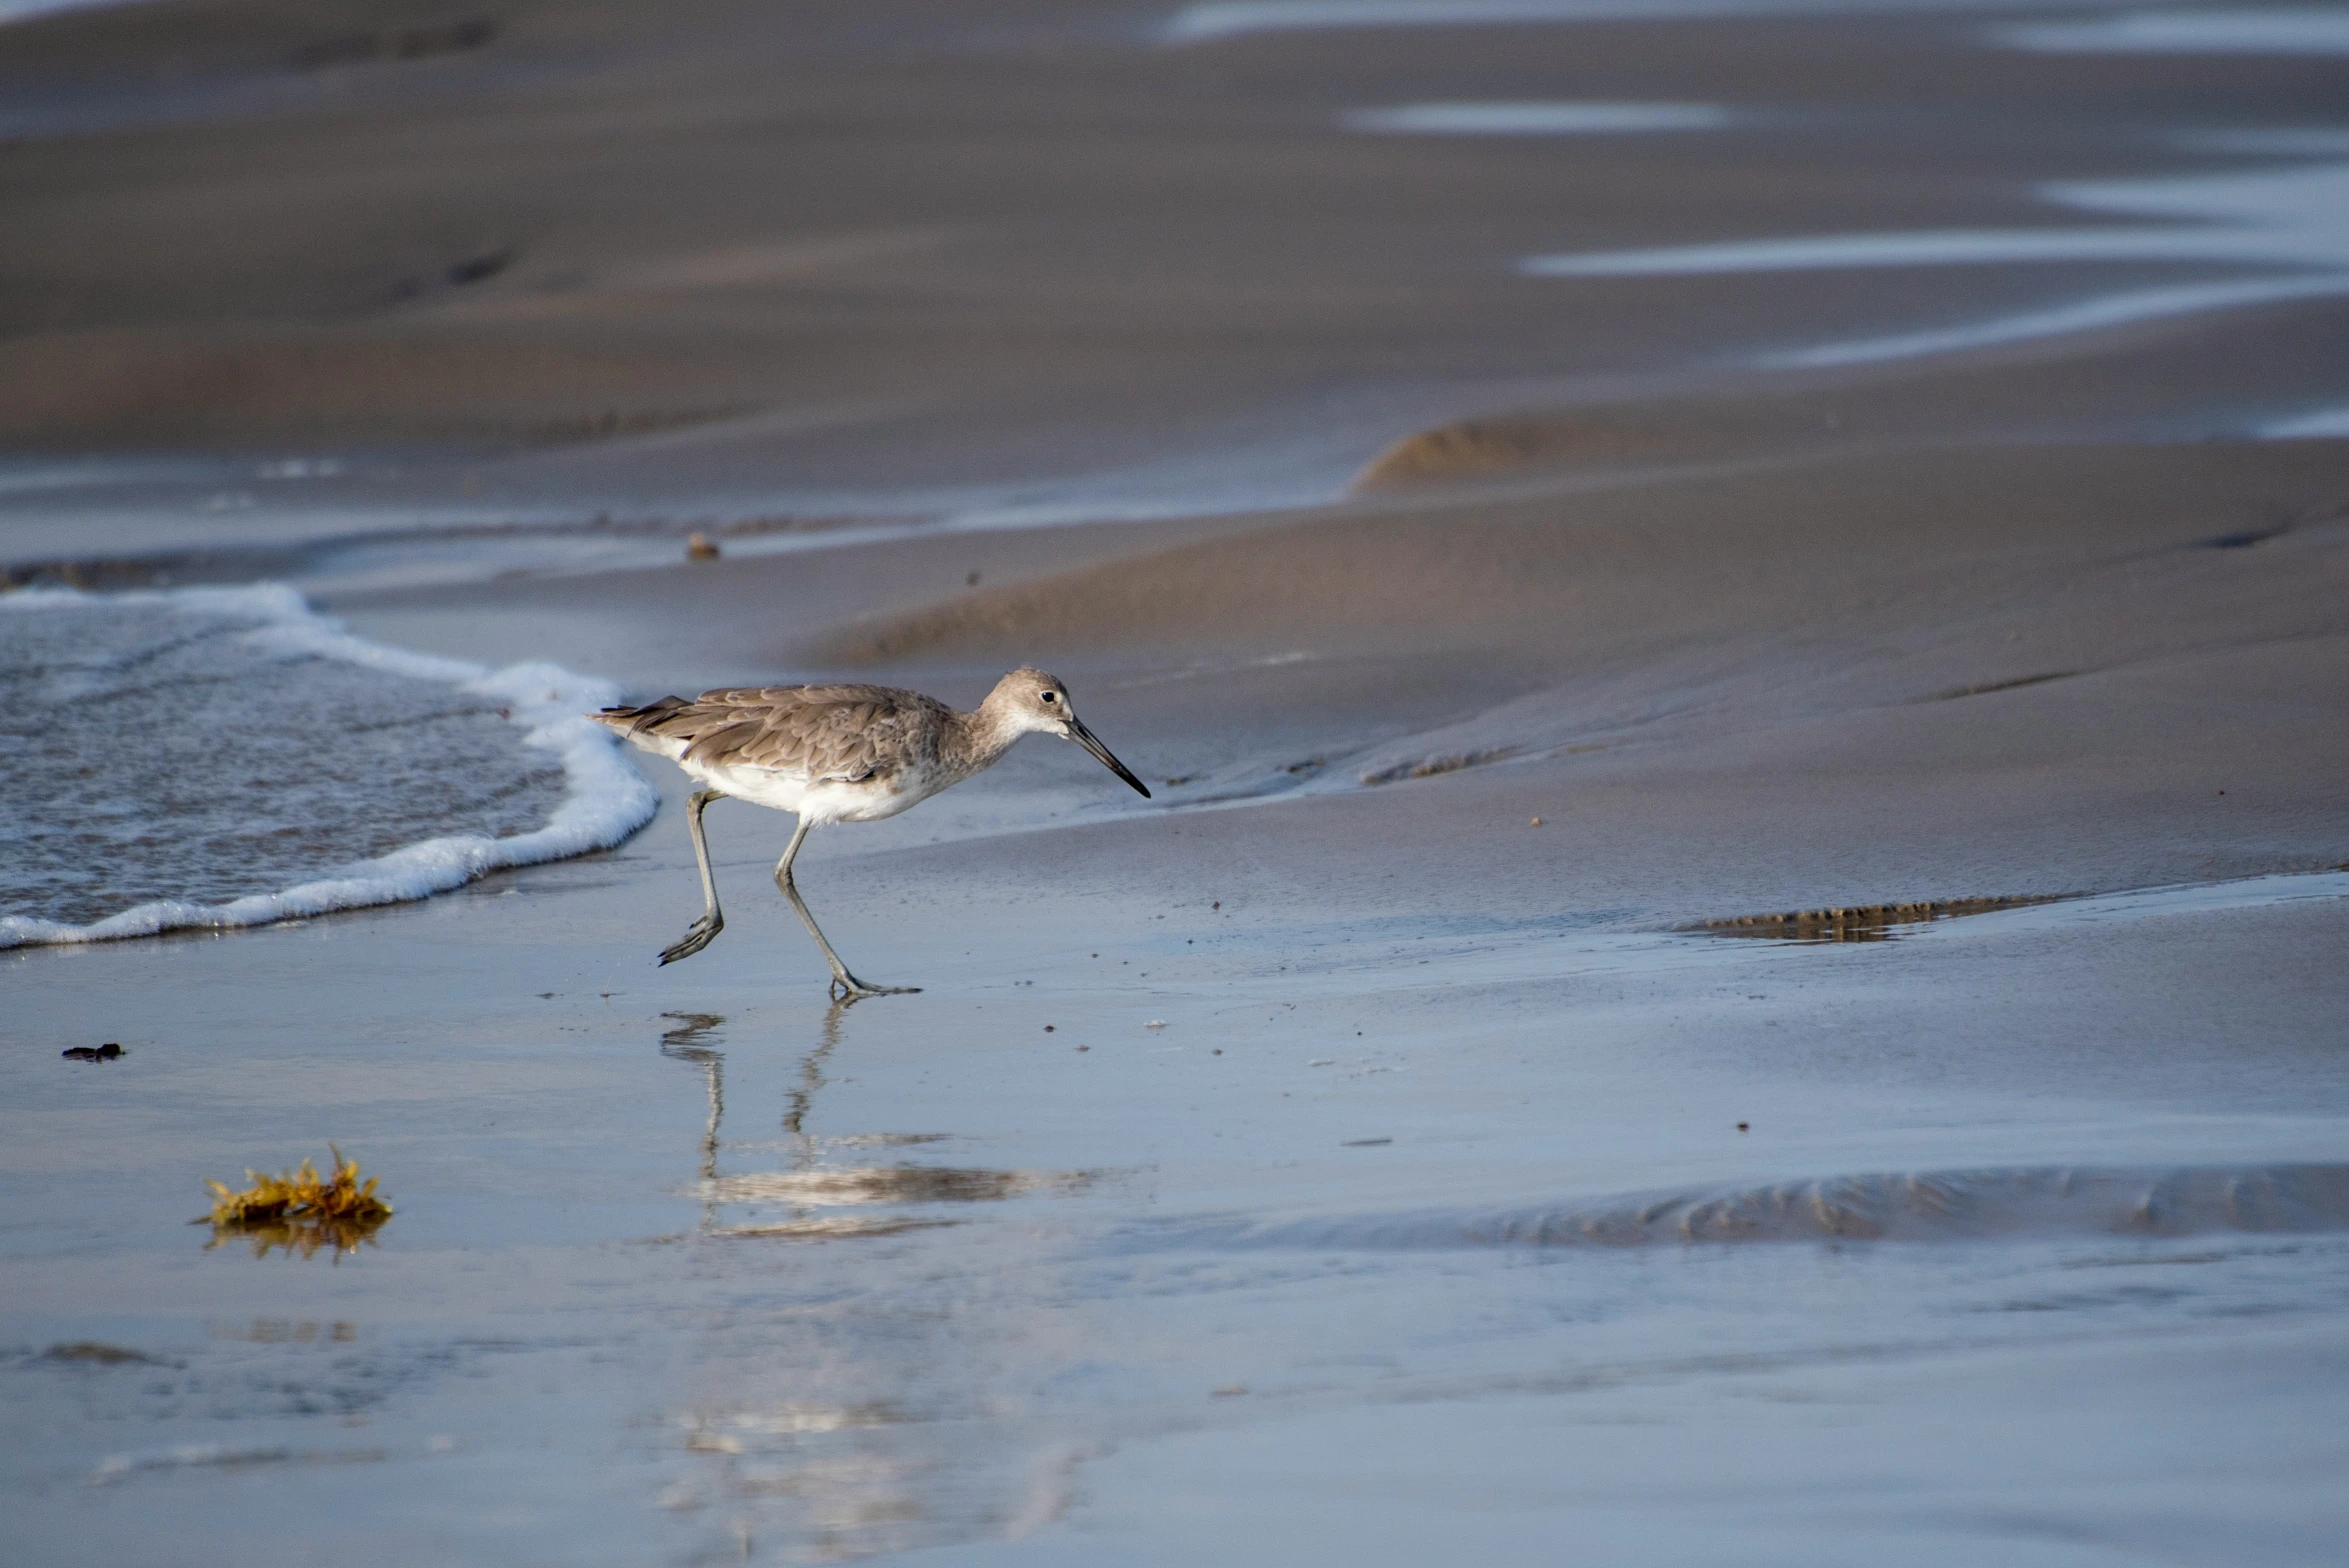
<point>698,936</point>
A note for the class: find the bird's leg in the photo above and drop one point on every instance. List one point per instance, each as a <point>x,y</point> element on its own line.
<point>845,986</point>
<point>703,931</point>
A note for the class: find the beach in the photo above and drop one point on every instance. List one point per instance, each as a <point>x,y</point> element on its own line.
<point>1736,620</point>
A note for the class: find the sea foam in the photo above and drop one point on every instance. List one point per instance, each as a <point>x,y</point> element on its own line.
<point>197,742</point>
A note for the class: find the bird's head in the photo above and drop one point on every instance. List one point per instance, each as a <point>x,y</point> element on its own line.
<point>1034,702</point>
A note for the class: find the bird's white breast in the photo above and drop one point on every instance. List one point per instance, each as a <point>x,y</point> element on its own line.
<point>822,800</point>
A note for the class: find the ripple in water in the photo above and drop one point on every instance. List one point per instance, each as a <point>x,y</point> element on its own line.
<point>1911,1206</point>
<point>224,757</point>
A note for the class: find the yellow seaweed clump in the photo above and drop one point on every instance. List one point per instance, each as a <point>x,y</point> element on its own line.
<point>299,1210</point>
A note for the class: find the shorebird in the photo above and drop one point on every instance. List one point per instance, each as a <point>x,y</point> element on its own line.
<point>837,754</point>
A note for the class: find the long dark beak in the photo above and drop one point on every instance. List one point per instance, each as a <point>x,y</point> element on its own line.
<point>1084,737</point>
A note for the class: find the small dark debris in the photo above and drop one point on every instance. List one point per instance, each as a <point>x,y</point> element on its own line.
<point>1364,1143</point>
<point>1218,904</point>
<point>972,581</point>
<point>1219,1050</point>
<point>2241,541</point>
<point>1985,688</point>
<point>93,1053</point>
<point>1084,1048</point>
<point>545,995</point>
<point>474,269</point>
<point>471,269</point>
<point>1745,1127</point>
<point>1047,1028</point>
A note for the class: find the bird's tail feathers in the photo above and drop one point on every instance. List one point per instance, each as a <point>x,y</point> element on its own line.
<point>637,723</point>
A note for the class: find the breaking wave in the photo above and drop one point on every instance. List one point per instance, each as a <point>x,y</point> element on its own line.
<point>222,757</point>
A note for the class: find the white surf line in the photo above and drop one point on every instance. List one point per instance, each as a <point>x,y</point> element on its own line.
<point>2295,218</point>
<point>605,799</point>
<point>2301,30</point>
<point>2329,424</point>
<point>2113,310</point>
<point>1216,20</point>
<point>2282,217</point>
<point>2290,141</point>
<point>25,10</point>
<point>22,475</point>
<point>1537,119</point>
<point>2187,898</point>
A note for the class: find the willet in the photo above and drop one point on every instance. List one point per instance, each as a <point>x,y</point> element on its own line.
<point>837,754</point>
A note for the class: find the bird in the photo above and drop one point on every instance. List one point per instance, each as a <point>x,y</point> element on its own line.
<point>837,754</point>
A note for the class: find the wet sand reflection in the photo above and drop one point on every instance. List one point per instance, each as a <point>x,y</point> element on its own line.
<point>834,1420</point>
<point>812,1182</point>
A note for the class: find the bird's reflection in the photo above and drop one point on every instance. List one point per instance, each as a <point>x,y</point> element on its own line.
<point>812,1187</point>
<point>834,1421</point>
<point>685,1044</point>
<point>811,1076</point>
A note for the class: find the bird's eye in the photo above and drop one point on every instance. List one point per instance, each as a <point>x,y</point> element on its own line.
<point>1052,696</point>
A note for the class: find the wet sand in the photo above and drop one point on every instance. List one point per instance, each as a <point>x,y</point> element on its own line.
<point>1429,1179</point>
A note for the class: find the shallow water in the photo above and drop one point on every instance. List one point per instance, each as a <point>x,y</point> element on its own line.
<point>2309,30</point>
<point>224,757</point>
<point>2288,220</point>
<point>2294,216</point>
<point>2281,1199</point>
<point>2326,424</point>
<point>1538,119</point>
<point>1216,20</point>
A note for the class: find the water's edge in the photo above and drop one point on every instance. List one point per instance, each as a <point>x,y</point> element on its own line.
<point>605,799</point>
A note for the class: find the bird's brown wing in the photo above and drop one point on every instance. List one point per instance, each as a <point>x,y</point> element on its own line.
<point>811,732</point>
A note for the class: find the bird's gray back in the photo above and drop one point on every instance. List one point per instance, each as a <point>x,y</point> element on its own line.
<point>809,732</point>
